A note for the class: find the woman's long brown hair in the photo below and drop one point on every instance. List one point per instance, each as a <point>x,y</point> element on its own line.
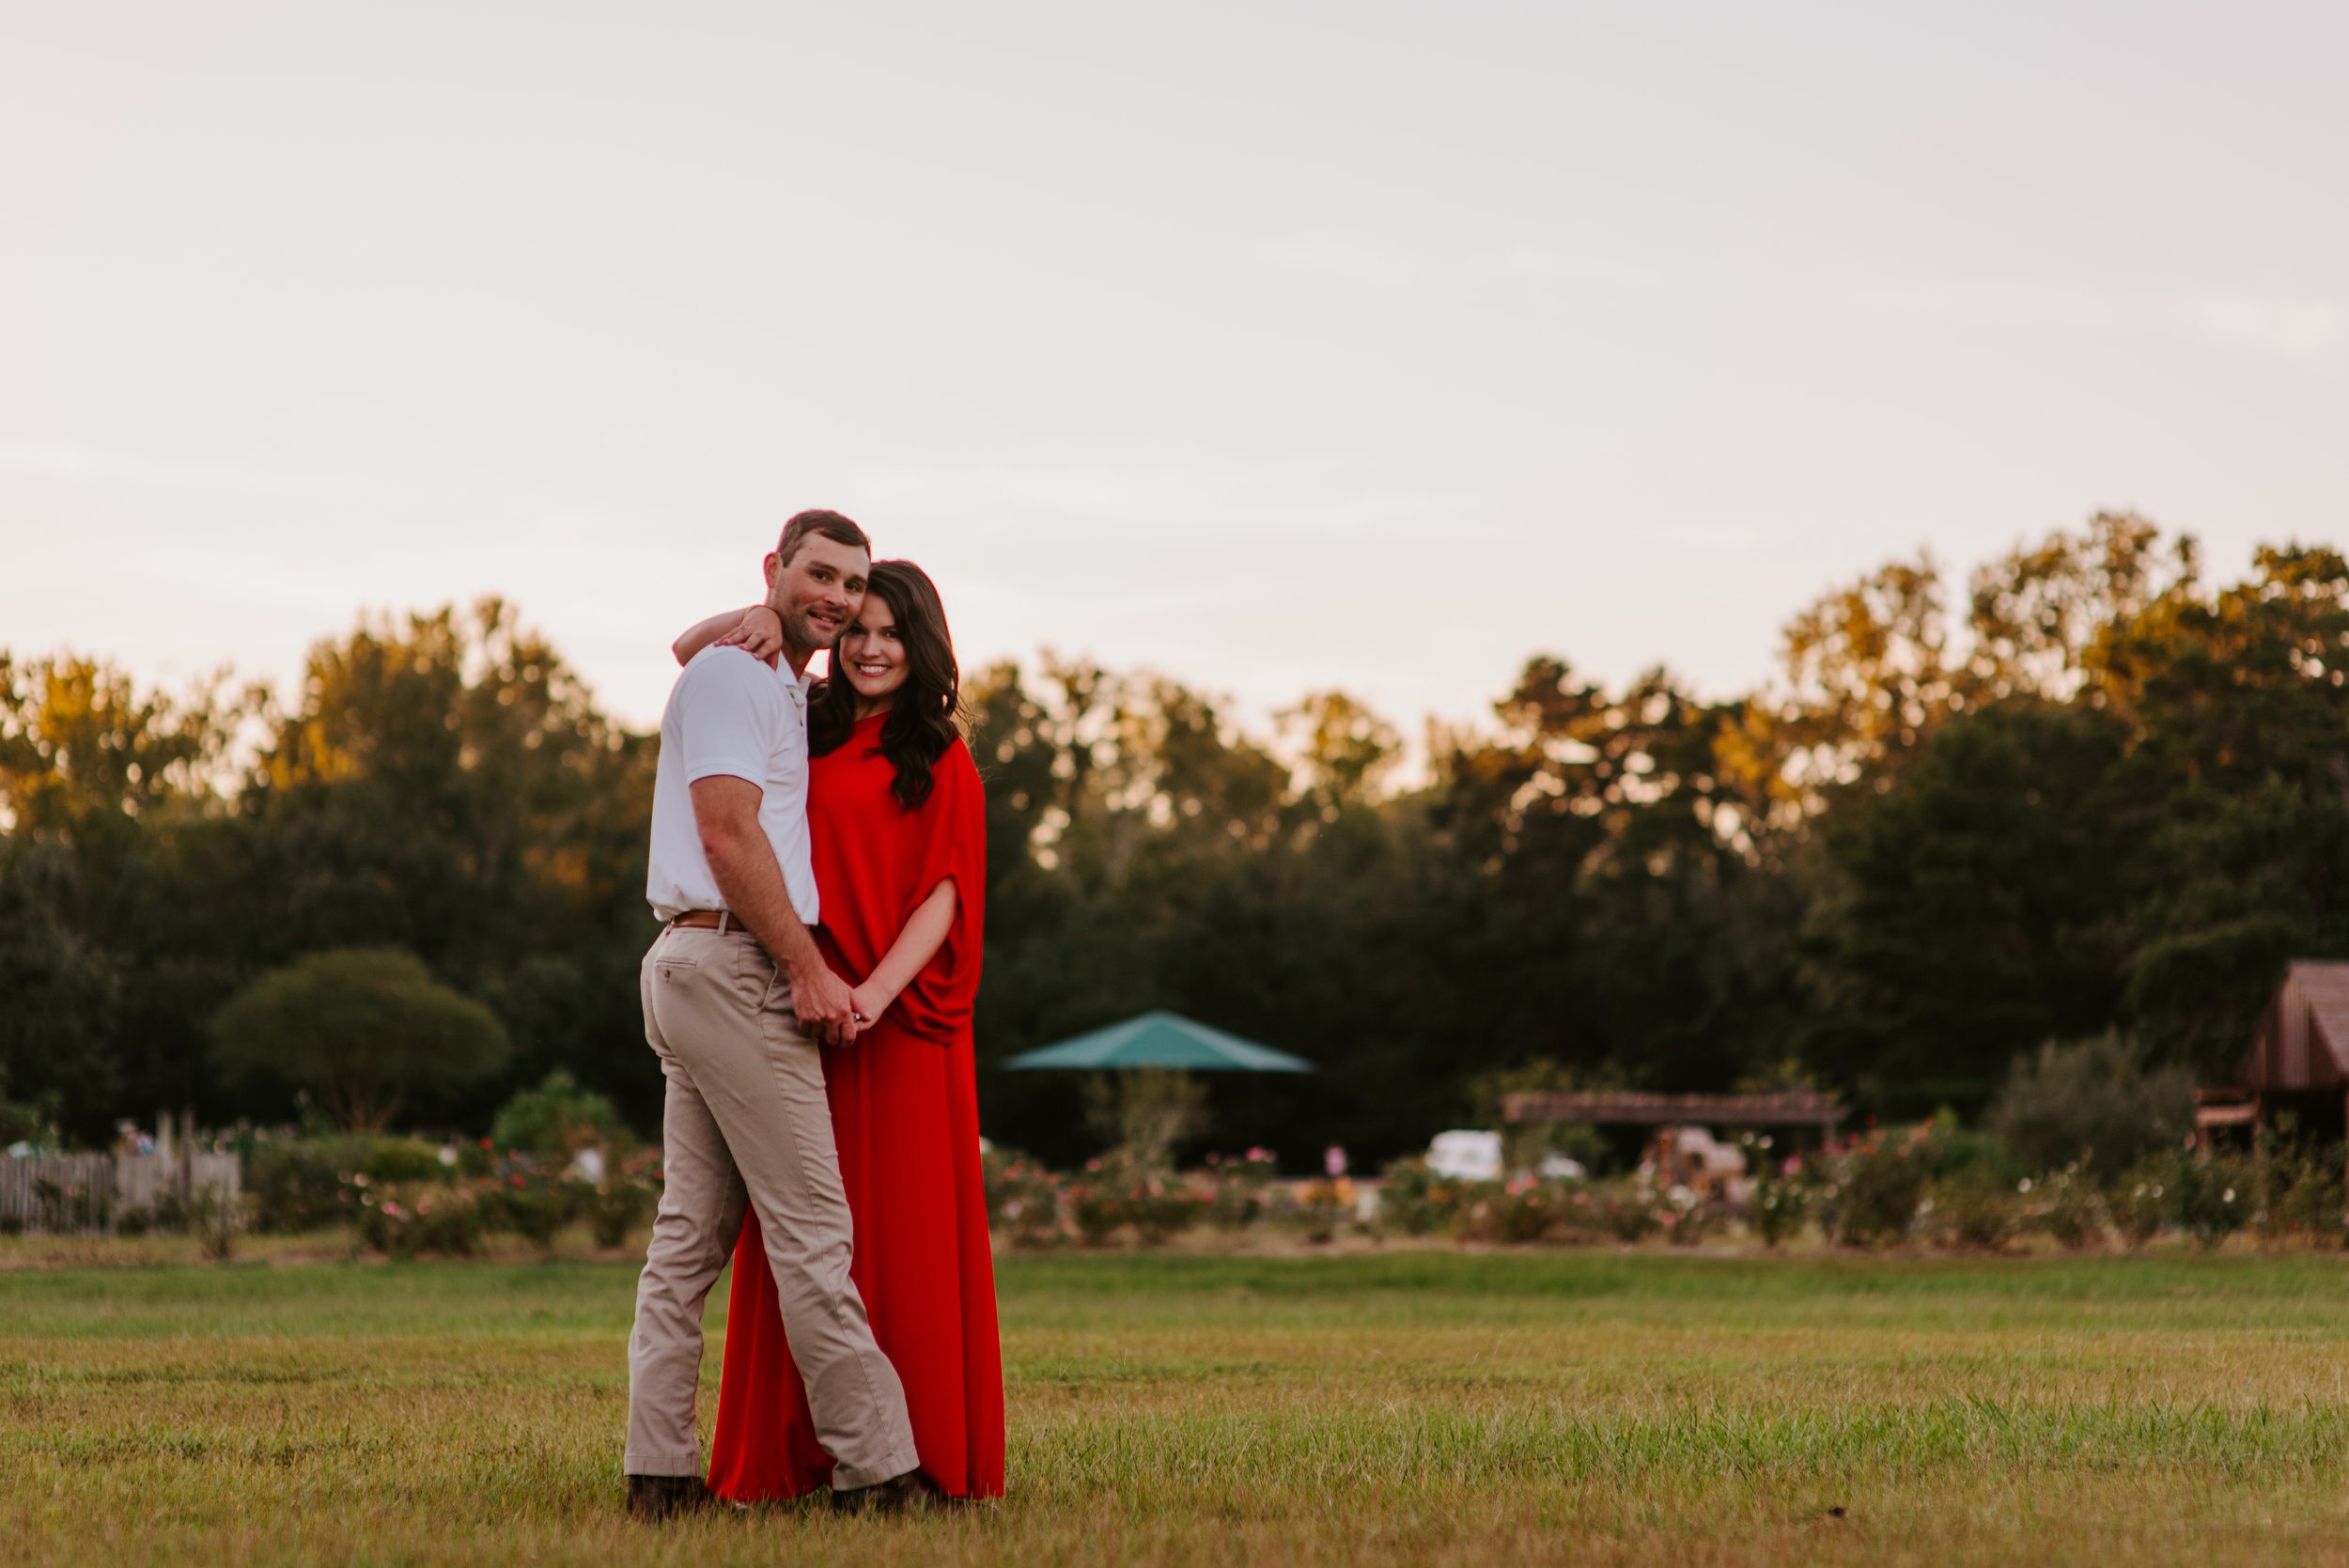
<point>924,717</point>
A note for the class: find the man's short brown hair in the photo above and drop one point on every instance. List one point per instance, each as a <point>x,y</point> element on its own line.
<point>830,524</point>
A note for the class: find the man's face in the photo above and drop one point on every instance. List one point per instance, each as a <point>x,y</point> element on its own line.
<point>817,592</point>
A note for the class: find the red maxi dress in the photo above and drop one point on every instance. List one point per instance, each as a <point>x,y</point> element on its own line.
<point>905,1113</point>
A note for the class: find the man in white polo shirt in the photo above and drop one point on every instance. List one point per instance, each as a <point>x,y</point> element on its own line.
<point>735,997</point>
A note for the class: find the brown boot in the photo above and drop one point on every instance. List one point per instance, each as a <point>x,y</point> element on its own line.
<point>910,1493</point>
<point>654,1497</point>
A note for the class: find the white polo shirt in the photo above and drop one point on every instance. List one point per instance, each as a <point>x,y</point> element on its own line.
<point>730,713</point>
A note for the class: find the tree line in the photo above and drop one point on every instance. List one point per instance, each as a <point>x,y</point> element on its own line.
<point>2085,791</point>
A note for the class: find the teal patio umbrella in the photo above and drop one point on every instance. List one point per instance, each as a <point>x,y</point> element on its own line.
<point>1161,1040</point>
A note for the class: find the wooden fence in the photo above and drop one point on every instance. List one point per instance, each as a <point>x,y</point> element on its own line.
<point>86,1193</point>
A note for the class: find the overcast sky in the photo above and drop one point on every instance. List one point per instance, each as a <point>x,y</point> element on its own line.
<point>1276,345</point>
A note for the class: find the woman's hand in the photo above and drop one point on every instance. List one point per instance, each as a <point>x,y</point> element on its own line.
<point>729,627</point>
<point>870,1001</point>
<point>917,945</point>
<point>760,633</point>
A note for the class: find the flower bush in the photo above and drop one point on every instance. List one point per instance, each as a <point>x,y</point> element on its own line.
<point>1783,1194</point>
<point>406,1219</point>
<point>1237,1189</point>
<point>2141,1205</point>
<point>534,1203</point>
<point>1973,1210</point>
<point>1023,1199</point>
<point>1419,1202</point>
<point>303,1184</point>
<point>2300,1197</point>
<point>1320,1208</point>
<point>390,1161</point>
<point>1880,1182</point>
<point>1120,1191</point>
<point>1161,1206</point>
<point>2213,1197</point>
<point>2066,1209</point>
<point>1932,1184</point>
<point>1098,1208</point>
<point>2206,1197</point>
<point>624,1199</point>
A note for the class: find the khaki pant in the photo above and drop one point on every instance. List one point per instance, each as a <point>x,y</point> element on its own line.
<point>746,1117</point>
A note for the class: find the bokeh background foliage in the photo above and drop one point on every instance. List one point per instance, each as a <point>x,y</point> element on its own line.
<point>2084,791</point>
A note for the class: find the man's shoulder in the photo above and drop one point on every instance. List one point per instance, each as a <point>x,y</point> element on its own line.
<point>721,672</point>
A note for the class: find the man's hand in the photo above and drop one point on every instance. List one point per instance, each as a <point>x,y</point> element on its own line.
<point>725,810</point>
<point>825,1006</point>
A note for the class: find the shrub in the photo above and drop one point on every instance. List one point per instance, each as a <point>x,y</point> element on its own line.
<point>35,1124</point>
<point>2208,1197</point>
<point>1320,1208</point>
<point>1118,1190</point>
<point>2214,1195</point>
<point>1778,1211</point>
<point>1145,1111</point>
<point>1625,1210</point>
<point>1419,1202</point>
<point>1782,1193</point>
<point>1161,1207</point>
<point>216,1219</point>
<point>1100,1211</point>
<point>431,1216</point>
<point>1974,1209</point>
<point>2303,1197</point>
<point>303,1184</point>
<point>2066,1209</point>
<point>2094,1099</point>
<point>1024,1197</point>
<point>2141,1204</point>
<point>1237,1187</point>
<point>616,1207</point>
<point>1882,1180</point>
<point>535,1204</point>
<point>1512,1213</point>
<point>169,1214</point>
<point>404,1160</point>
<point>559,1118</point>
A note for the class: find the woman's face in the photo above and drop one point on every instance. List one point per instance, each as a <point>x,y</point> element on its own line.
<point>870,657</point>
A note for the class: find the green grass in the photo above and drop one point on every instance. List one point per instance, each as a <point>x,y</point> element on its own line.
<point>1575,1407</point>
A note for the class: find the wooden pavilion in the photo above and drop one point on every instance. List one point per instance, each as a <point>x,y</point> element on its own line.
<point>2298,1061</point>
<point>1791,1108</point>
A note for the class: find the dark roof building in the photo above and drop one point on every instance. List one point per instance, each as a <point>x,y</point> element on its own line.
<point>2298,1061</point>
<point>2302,1038</point>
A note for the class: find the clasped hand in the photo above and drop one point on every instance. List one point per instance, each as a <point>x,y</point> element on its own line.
<point>825,1006</point>
<point>832,1014</point>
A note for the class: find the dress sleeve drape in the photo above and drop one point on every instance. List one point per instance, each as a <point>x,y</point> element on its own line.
<point>953,824</point>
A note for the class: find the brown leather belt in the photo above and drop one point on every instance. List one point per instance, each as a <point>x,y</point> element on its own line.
<point>720,921</point>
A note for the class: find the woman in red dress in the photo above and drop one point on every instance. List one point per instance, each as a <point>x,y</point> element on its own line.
<point>899,829</point>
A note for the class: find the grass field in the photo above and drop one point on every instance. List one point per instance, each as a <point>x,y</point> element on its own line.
<point>1567,1407</point>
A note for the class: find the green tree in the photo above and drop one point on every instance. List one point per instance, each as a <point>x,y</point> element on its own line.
<point>360,1029</point>
<point>2046,619</point>
<point>2095,1099</point>
<point>98,778</point>
<point>1975,908</point>
<point>2239,701</point>
<point>445,783</point>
